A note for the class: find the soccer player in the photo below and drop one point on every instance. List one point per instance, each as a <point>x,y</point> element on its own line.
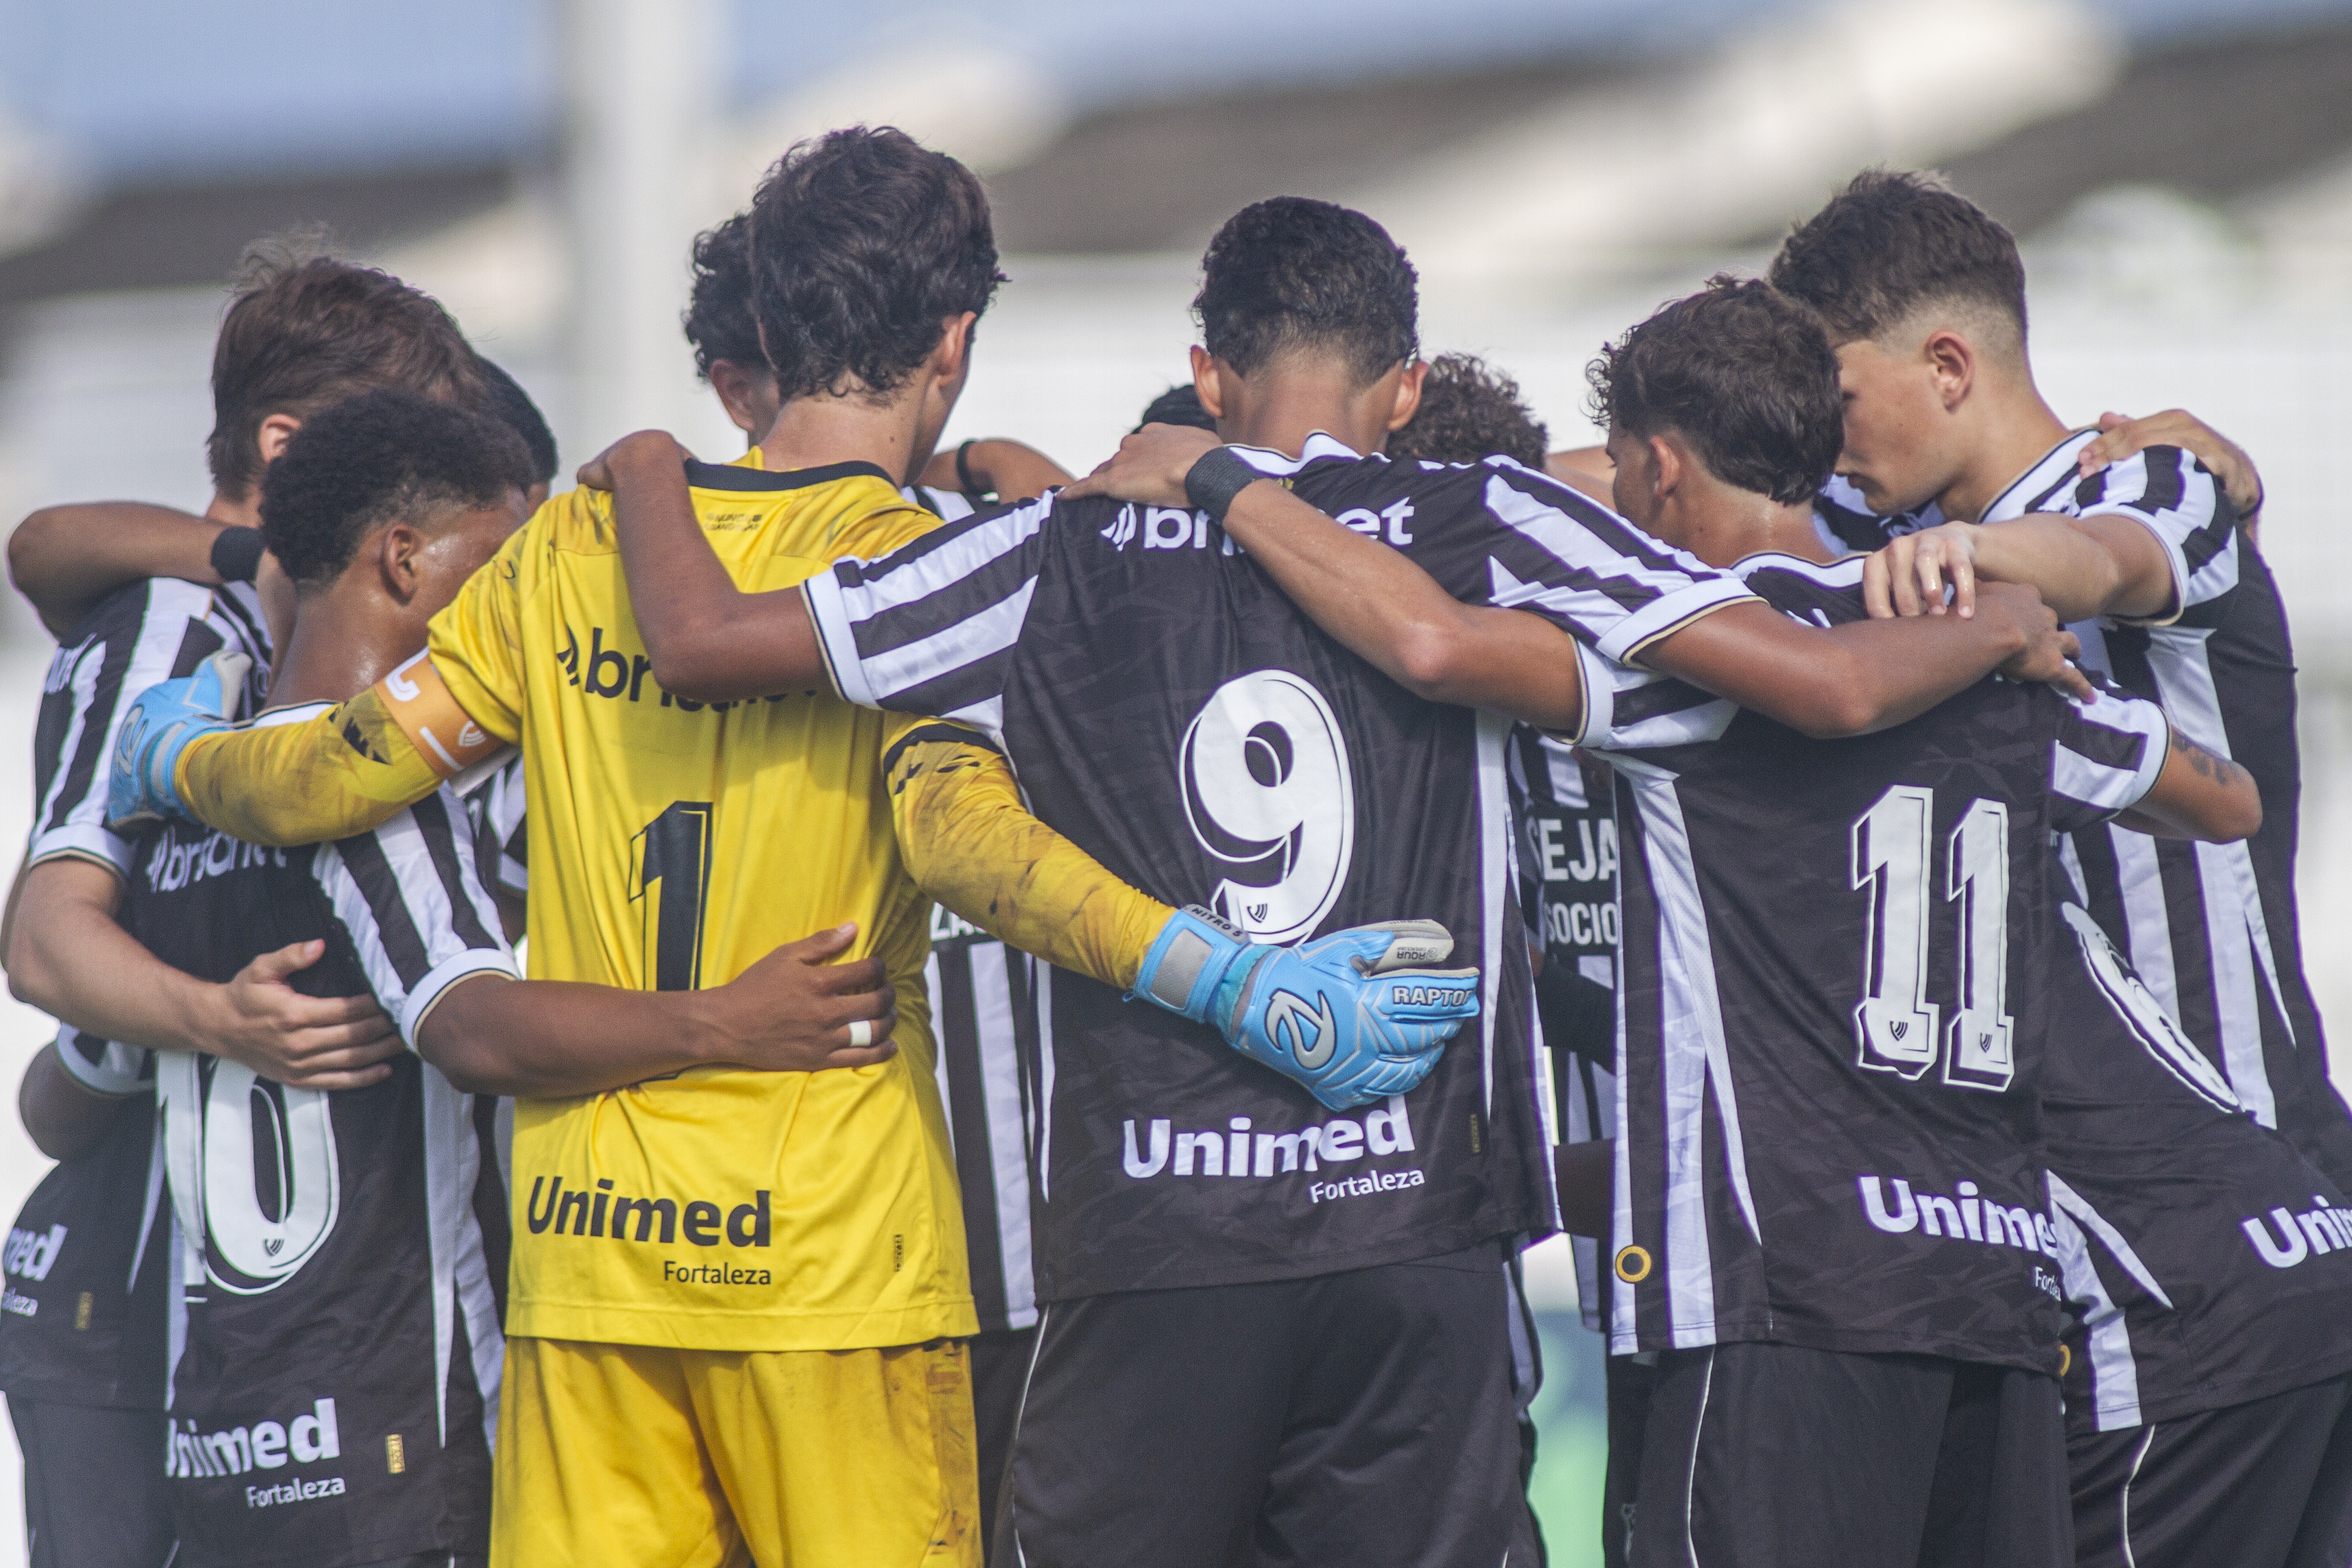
<point>86,1381</point>
<point>1860,1397</point>
<point>1215,1354</point>
<point>774,1374</point>
<point>1910,275</point>
<point>1924,296</point>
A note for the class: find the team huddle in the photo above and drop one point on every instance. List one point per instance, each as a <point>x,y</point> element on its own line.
<point>868,1004</point>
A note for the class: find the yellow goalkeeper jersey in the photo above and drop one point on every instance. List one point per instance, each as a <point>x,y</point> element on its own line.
<point>672,843</point>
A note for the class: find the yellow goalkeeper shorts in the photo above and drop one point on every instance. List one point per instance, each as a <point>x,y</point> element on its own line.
<point>635,1456</point>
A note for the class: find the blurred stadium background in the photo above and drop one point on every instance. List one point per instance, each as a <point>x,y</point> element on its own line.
<point>2180,171</point>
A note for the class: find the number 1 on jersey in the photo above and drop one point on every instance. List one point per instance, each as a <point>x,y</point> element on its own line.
<point>673,851</point>
<point>1891,846</point>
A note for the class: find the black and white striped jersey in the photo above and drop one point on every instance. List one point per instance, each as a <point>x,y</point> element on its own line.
<point>983,1013</point>
<point>84,1319</point>
<point>153,630</point>
<point>1834,983</point>
<point>337,1389</point>
<point>2206,1261</point>
<point>1173,715</point>
<point>1562,807</point>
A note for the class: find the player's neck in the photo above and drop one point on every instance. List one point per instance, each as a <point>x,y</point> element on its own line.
<point>347,636</point>
<point>2011,429</point>
<point>1279,405</point>
<point>1726,525</point>
<point>236,511</point>
<point>818,432</point>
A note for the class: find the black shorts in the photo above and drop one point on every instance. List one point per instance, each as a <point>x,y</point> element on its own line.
<point>999,1369</point>
<point>1364,1417</point>
<point>1767,1456</point>
<point>1630,1380</point>
<point>94,1491</point>
<point>2267,1484</point>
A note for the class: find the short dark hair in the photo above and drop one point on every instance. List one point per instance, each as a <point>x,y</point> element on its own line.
<point>1892,241</point>
<point>1292,273</point>
<point>862,242</point>
<point>1180,405</point>
<point>509,405</point>
<point>1744,373</point>
<point>304,329</point>
<point>1470,411</point>
<point>373,460</point>
<point>718,318</point>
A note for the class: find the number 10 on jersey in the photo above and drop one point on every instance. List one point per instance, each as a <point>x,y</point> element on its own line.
<point>1892,849</point>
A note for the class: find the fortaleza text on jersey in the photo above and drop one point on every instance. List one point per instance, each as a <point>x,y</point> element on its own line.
<point>584,1211</point>
<point>1388,1131</point>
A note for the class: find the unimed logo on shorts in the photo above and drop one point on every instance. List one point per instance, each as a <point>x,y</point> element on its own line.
<point>1242,1151</point>
<point>598,1210</point>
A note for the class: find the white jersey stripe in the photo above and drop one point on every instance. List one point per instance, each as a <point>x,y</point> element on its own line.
<point>1000,1077</point>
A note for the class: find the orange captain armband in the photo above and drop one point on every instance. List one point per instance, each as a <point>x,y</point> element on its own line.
<point>420,703</point>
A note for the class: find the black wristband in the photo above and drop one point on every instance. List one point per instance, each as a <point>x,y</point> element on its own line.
<point>236,553</point>
<point>1212,483</point>
<point>964,468</point>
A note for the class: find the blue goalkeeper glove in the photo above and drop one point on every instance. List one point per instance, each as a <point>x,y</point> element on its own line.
<point>161,722</point>
<point>1356,1016</point>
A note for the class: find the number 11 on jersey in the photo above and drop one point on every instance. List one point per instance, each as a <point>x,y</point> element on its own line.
<point>673,853</point>
<point>1893,843</point>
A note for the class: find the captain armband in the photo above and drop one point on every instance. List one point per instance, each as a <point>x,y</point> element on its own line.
<point>419,703</point>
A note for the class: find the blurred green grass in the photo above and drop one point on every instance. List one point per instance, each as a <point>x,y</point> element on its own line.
<point>1571,1442</point>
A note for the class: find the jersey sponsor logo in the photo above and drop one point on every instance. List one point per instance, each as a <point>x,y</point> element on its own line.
<point>1963,1217</point>
<point>1366,1186</point>
<point>1580,925</point>
<point>610,673</point>
<point>31,1254</point>
<point>24,1306</point>
<point>308,1439</point>
<point>712,1274</point>
<point>178,863</point>
<point>1267,790</point>
<point>1594,858</point>
<point>2319,1231</point>
<point>1371,525</point>
<point>1242,1151</point>
<point>587,1210</point>
<point>1163,528</point>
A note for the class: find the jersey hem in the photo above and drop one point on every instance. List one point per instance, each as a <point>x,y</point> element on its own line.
<point>836,639</point>
<point>1431,1244</point>
<point>2220,1396</point>
<point>677,1329</point>
<point>427,993</point>
<point>95,1076</point>
<point>2178,561</point>
<point>1846,1342</point>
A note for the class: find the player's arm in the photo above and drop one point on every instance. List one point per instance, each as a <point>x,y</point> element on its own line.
<point>65,559</point>
<point>971,843</point>
<point>707,639</point>
<point>65,1117</point>
<point>2103,564</point>
<point>68,955</point>
<point>1008,470</point>
<point>794,1011</point>
<point>2199,794</point>
<point>1847,681</point>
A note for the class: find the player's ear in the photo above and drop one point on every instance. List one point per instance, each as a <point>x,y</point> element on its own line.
<point>1666,465</point>
<point>1208,383</point>
<point>275,432</point>
<point>397,548</point>
<point>1951,362</point>
<point>1408,395</point>
<point>952,358</point>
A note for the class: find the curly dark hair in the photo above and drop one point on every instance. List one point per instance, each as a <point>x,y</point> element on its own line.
<point>1469,411</point>
<point>1892,241</point>
<point>511,406</point>
<point>718,318</point>
<point>863,241</point>
<point>1180,405</point>
<point>1743,372</point>
<point>1290,273</point>
<point>304,329</point>
<point>380,457</point>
